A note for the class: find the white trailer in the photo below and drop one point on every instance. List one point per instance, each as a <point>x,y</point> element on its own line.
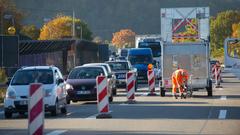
<point>193,56</point>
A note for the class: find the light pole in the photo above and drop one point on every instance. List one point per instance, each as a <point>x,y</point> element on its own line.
<point>80,27</point>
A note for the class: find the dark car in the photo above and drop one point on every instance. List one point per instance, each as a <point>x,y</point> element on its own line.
<point>83,82</point>
<point>120,68</point>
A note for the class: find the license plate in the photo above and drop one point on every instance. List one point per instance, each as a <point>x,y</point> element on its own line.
<point>83,92</point>
<point>121,76</point>
<point>23,102</point>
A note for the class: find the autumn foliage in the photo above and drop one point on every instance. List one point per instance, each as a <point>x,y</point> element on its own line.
<point>236,30</point>
<point>61,27</point>
<point>124,38</point>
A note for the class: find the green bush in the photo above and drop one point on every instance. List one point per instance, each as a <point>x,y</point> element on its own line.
<point>2,94</point>
<point>3,76</point>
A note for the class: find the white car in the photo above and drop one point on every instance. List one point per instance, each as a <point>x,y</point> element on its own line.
<point>16,99</point>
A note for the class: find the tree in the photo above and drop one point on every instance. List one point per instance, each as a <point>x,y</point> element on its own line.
<point>61,27</point>
<point>124,38</point>
<point>31,31</point>
<point>236,30</point>
<point>9,16</point>
<point>221,27</point>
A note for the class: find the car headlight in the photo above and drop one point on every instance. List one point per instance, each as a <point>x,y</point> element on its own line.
<point>68,87</point>
<point>48,92</point>
<point>11,94</point>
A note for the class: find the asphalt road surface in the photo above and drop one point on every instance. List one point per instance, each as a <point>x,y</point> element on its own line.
<point>151,115</point>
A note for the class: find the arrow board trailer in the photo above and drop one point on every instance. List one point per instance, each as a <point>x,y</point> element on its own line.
<point>194,57</point>
<point>174,21</point>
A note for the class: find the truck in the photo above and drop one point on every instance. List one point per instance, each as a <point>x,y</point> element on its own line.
<point>152,41</point>
<point>194,56</point>
<point>140,58</point>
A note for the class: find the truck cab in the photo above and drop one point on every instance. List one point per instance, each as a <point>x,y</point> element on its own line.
<point>139,59</point>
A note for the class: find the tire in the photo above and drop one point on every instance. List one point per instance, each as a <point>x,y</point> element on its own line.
<point>114,91</point>
<point>136,86</point>
<point>55,111</point>
<point>209,89</point>
<point>68,101</point>
<point>64,110</point>
<point>7,115</point>
<point>162,92</point>
<point>110,99</point>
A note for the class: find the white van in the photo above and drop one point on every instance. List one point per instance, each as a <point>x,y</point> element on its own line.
<point>16,99</point>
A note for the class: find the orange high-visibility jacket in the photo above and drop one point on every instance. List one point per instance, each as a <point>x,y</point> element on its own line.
<point>180,75</point>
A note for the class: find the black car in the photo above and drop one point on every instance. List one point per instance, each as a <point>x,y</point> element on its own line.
<point>120,68</point>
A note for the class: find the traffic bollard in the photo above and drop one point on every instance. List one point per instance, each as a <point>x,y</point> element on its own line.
<point>131,79</point>
<point>102,97</point>
<point>151,83</point>
<point>36,109</point>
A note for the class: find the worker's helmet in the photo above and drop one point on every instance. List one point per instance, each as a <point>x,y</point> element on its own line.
<point>150,66</point>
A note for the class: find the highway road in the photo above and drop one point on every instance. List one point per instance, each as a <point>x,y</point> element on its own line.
<point>151,115</point>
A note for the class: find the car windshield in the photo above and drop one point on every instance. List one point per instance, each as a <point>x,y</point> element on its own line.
<point>140,59</point>
<point>86,73</point>
<point>115,66</point>
<point>25,77</point>
<point>156,48</point>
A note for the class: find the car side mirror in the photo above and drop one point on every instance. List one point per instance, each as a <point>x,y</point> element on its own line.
<point>59,81</point>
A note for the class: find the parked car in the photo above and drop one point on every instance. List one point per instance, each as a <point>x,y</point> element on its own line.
<point>83,83</point>
<point>16,100</point>
<point>112,79</point>
<point>120,68</point>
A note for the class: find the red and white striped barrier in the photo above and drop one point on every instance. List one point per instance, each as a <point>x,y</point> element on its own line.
<point>151,83</point>
<point>36,109</point>
<point>131,79</point>
<point>102,97</point>
<point>217,75</point>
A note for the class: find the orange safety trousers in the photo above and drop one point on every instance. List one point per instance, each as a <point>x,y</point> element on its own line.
<point>177,80</point>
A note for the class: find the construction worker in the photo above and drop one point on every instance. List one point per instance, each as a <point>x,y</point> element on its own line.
<point>179,79</point>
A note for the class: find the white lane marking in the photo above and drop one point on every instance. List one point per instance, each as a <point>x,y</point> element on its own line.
<point>222,114</point>
<point>2,112</point>
<point>57,132</point>
<point>223,98</point>
<point>220,88</point>
<point>123,104</point>
<point>94,116</point>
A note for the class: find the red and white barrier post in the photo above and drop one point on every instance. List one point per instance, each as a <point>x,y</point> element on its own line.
<point>36,109</point>
<point>102,97</point>
<point>131,79</point>
<point>151,83</point>
<point>217,75</point>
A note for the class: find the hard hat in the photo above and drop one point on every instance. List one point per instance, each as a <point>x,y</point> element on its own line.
<point>150,66</point>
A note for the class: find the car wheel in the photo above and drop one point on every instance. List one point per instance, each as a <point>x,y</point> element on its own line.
<point>55,110</point>
<point>136,86</point>
<point>110,99</point>
<point>8,115</point>
<point>209,89</point>
<point>64,110</point>
<point>162,92</point>
<point>68,100</point>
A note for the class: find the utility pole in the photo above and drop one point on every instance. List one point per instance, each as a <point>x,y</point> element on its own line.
<point>73,25</point>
